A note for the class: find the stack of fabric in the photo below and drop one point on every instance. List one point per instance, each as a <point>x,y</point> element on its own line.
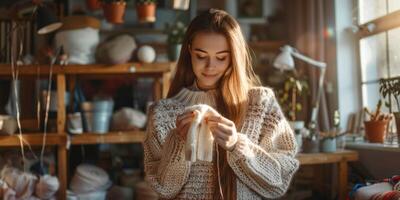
<point>16,185</point>
<point>90,182</point>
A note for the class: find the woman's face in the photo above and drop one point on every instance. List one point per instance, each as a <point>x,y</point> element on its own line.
<point>211,58</point>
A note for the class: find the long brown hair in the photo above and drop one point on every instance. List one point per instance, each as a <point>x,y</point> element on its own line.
<point>234,85</point>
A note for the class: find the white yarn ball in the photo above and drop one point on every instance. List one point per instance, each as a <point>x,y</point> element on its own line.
<point>47,186</point>
<point>146,54</point>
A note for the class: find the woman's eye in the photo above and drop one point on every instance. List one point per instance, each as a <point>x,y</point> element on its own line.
<point>221,59</point>
<point>200,57</point>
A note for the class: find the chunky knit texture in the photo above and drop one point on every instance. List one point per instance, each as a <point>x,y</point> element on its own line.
<point>263,158</point>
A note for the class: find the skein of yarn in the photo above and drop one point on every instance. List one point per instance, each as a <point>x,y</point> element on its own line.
<point>21,182</point>
<point>89,178</point>
<point>47,187</point>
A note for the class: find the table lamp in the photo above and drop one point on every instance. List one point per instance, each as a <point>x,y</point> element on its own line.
<point>46,20</point>
<point>284,61</point>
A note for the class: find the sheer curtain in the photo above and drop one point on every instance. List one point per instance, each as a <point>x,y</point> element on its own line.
<point>307,27</point>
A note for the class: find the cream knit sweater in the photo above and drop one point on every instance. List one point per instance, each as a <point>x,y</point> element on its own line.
<point>263,158</point>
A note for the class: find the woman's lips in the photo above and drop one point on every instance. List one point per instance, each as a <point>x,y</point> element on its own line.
<point>209,75</point>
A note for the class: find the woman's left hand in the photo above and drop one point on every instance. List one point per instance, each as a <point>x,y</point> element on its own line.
<point>223,130</point>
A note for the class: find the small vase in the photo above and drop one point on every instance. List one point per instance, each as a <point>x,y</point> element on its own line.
<point>297,127</point>
<point>328,145</point>
<point>174,51</point>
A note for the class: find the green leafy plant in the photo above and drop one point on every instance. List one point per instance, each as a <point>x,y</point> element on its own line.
<point>294,87</point>
<point>390,87</point>
<point>175,32</point>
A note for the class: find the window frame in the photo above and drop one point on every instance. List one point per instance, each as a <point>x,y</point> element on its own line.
<point>379,25</point>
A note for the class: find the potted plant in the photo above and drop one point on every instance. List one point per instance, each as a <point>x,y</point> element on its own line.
<point>390,88</point>
<point>175,33</point>
<point>294,87</point>
<point>93,4</point>
<point>146,10</point>
<point>114,10</point>
<point>376,124</point>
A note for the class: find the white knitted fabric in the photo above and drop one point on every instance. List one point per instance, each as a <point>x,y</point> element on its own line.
<point>263,159</point>
<point>199,140</point>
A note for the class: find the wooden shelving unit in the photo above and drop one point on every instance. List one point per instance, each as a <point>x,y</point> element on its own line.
<point>32,139</point>
<point>160,72</point>
<point>109,138</point>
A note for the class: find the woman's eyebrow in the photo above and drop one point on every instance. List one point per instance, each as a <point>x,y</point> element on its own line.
<point>224,51</point>
<point>219,52</point>
<point>201,50</point>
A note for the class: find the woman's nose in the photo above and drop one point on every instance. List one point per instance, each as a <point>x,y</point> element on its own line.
<point>212,63</point>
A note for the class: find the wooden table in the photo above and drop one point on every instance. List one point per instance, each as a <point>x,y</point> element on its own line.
<point>340,157</point>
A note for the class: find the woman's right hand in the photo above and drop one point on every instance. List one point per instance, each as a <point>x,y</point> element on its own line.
<point>183,122</point>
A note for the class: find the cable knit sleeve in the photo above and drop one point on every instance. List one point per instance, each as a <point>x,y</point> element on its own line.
<point>266,164</point>
<point>164,158</point>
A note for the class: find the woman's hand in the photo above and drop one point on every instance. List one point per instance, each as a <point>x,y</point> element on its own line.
<point>224,131</point>
<point>183,122</point>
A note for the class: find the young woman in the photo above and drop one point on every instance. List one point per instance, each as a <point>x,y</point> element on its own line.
<point>255,151</point>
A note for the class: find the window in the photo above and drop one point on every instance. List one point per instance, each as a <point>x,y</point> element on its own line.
<point>380,47</point>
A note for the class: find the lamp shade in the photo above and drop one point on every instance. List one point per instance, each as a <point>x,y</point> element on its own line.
<point>46,21</point>
<point>284,61</point>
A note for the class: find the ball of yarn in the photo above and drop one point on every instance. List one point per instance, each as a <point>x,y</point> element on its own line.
<point>116,50</point>
<point>47,187</point>
<point>397,186</point>
<point>128,119</point>
<point>146,54</point>
<point>22,183</point>
<point>89,178</point>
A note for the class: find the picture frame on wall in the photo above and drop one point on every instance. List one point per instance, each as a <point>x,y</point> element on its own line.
<point>250,11</point>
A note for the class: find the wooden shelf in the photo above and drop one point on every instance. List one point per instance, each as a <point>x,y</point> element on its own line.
<point>159,72</point>
<point>36,139</point>
<point>33,139</point>
<point>127,68</point>
<point>323,158</point>
<point>134,31</point>
<point>108,138</point>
